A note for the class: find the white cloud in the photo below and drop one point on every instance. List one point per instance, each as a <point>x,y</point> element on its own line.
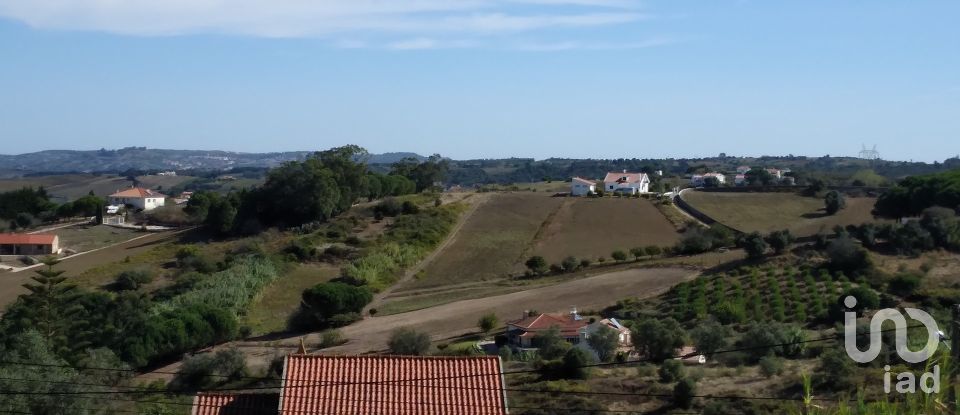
<point>318,18</point>
<point>578,45</point>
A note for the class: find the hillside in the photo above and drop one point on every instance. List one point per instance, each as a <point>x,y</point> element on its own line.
<point>142,158</point>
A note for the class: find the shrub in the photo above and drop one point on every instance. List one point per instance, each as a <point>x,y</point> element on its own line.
<point>388,207</point>
<point>133,279</point>
<point>653,250</point>
<point>537,264</point>
<point>409,342</point>
<point>637,253</point>
<point>206,370</point>
<point>904,284</point>
<point>569,264</point>
<point>328,299</point>
<point>754,245</point>
<point>684,392</point>
<point>833,202</point>
<point>771,366</point>
<point>574,362</point>
<point>487,322</point>
<point>584,263</point>
<point>844,255</point>
<point>619,255</point>
<point>551,344</point>
<point>671,370</point>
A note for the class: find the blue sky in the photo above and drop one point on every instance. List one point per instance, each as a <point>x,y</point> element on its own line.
<point>484,78</point>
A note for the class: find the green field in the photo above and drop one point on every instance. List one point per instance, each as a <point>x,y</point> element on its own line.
<point>271,310</point>
<point>765,212</point>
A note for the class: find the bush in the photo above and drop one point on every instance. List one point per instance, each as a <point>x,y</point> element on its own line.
<point>487,322</point>
<point>537,265</point>
<point>302,249</point>
<point>323,301</point>
<point>671,370</point>
<point>619,255</point>
<point>584,263</point>
<point>574,362</point>
<point>388,207</point>
<point>846,256</point>
<point>133,279</point>
<point>207,370</point>
<point>569,264</point>
<point>653,250</point>
<point>409,342</point>
<point>904,284</point>
<point>833,202</point>
<point>754,245</point>
<point>684,392</point>
<point>771,366</point>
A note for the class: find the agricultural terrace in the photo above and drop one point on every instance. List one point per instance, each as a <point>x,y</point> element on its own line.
<point>766,212</point>
<point>591,228</point>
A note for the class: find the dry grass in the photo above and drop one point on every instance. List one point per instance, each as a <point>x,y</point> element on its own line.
<point>765,212</point>
<point>65,187</point>
<point>84,238</point>
<point>592,228</point>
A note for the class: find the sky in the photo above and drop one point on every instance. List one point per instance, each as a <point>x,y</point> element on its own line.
<point>484,78</point>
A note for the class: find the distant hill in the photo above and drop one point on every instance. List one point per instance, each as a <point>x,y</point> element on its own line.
<point>142,158</point>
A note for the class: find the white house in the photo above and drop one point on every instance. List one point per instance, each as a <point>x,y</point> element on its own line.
<point>139,198</point>
<point>740,180</point>
<point>698,180</point>
<point>624,342</point>
<point>775,173</point>
<point>582,187</point>
<point>630,183</point>
<point>743,169</point>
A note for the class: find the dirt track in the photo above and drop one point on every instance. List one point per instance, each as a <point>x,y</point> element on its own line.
<point>458,318</point>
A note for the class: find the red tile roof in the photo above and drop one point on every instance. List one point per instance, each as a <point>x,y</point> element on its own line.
<point>565,322</point>
<point>387,385</point>
<point>137,192</point>
<point>236,404</point>
<point>27,239</point>
<point>584,181</point>
<point>625,177</point>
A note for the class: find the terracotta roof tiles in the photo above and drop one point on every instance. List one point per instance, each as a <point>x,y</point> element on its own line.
<point>387,385</point>
<point>235,404</point>
<point>27,239</point>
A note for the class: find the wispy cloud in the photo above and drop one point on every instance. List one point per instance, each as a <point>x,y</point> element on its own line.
<point>579,45</point>
<point>394,20</point>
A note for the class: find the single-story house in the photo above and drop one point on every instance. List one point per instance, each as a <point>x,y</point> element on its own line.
<point>698,180</point>
<point>572,327</point>
<point>29,244</point>
<point>582,187</point>
<point>630,183</point>
<point>373,385</point>
<point>138,197</point>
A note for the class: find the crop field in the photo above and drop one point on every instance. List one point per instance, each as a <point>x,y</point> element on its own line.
<point>84,238</point>
<point>492,242</point>
<point>765,212</point>
<point>593,228</point>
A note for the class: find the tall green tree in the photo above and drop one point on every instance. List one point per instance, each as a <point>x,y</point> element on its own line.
<point>347,165</point>
<point>833,202</point>
<point>657,338</point>
<point>604,342</point>
<point>50,299</point>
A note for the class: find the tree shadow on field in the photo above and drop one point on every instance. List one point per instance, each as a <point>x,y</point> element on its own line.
<point>820,213</point>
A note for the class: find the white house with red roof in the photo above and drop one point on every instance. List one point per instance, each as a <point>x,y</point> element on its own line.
<point>624,182</point>
<point>138,197</point>
<point>582,187</point>
<point>698,180</point>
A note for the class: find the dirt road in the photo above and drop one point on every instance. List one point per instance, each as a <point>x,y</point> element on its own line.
<point>459,318</point>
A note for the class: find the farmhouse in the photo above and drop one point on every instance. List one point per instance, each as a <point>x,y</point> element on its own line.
<point>630,183</point>
<point>373,385</point>
<point>139,198</point>
<point>582,187</point>
<point>698,180</point>
<point>29,244</point>
<point>572,327</point>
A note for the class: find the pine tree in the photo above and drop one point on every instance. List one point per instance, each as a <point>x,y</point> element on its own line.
<point>50,300</point>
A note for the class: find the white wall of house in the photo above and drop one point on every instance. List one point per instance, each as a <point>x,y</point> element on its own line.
<point>642,186</point>
<point>581,189</point>
<point>145,203</point>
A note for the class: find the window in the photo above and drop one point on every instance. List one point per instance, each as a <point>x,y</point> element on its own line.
<point>611,187</point>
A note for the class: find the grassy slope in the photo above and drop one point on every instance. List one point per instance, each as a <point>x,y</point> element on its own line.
<point>765,212</point>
